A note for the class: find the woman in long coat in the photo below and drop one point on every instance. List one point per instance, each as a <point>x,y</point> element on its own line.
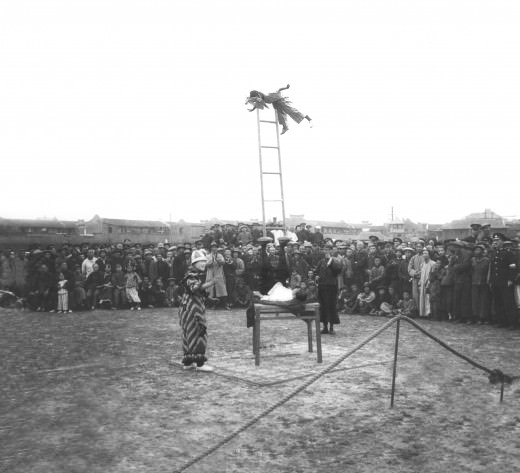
<point>424,282</point>
<point>327,271</point>
<point>192,312</point>
<point>215,272</point>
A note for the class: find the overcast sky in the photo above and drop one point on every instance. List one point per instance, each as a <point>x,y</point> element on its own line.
<point>135,109</point>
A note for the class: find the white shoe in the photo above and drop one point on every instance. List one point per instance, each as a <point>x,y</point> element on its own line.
<point>205,368</point>
<point>189,367</point>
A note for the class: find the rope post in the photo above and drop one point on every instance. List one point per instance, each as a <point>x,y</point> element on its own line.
<point>394,371</point>
<point>502,390</point>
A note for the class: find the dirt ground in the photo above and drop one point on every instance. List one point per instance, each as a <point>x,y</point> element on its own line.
<point>103,392</point>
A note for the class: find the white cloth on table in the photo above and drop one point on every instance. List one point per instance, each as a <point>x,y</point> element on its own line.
<point>278,293</point>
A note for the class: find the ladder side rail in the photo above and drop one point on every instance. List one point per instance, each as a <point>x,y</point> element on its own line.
<point>261,170</point>
<point>280,169</point>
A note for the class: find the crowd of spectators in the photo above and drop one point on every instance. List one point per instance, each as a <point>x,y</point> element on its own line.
<point>474,280</point>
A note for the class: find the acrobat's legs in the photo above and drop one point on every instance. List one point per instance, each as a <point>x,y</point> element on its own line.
<point>282,120</point>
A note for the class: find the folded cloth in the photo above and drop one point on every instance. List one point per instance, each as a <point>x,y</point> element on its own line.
<point>278,293</point>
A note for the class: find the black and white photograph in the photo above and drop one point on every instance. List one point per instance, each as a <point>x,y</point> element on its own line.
<point>258,236</point>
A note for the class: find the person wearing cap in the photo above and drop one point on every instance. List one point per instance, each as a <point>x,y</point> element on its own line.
<point>414,270</point>
<point>215,272</point>
<point>244,236</point>
<point>317,236</point>
<point>397,241</point>
<point>479,286</point>
<point>192,314</point>
<point>502,273</point>
<point>460,265</point>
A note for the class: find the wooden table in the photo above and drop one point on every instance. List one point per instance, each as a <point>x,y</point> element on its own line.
<point>271,312</point>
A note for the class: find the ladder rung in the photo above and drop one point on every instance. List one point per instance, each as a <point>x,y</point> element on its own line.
<point>273,200</point>
<point>267,121</point>
<point>270,172</point>
<point>274,147</point>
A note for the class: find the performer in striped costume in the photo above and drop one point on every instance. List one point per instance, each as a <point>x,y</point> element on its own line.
<point>192,314</point>
<point>280,103</point>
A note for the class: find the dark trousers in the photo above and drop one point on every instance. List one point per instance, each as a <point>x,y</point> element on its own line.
<point>504,305</point>
<point>462,301</point>
<point>480,303</point>
<point>327,297</point>
<point>446,302</point>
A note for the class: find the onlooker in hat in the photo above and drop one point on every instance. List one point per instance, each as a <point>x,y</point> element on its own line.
<point>230,277</point>
<point>447,281</point>
<point>414,270</point>
<point>460,264</point>
<point>376,274</point>
<point>405,283</point>
<point>88,263</point>
<point>215,272</point>
<point>502,273</point>
<point>317,237</point>
<point>479,286</point>
<point>360,264</point>
<point>244,236</point>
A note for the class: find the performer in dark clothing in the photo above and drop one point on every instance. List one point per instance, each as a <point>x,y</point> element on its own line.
<point>327,271</point>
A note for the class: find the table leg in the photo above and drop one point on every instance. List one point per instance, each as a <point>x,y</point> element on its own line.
<point>254,334</point>
<point>257,338</point>
<point>309,334</point>
<point>318,334</point>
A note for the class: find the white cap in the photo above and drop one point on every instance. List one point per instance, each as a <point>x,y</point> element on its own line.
<point>198,255</point>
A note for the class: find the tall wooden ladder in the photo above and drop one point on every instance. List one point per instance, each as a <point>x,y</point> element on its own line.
<point>275,170</point>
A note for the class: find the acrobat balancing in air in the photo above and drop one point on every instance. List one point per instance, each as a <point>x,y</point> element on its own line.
<point>283,106</point>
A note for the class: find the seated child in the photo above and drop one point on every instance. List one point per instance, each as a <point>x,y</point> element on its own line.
<point>311,289</point>
<point>351,299</point>
<point>295,280</point>
<point>407,306</point>
<point>381,300</point>
<point>159,293</point>
<point>145,293</point>
<point>243,293</point>
<point>389,307</point>
<point>365,300</point>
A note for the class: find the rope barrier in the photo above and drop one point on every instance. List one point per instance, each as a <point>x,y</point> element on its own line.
<point>495,376</point>
<point>293,393</point>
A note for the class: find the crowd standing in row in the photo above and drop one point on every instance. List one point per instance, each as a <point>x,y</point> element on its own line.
<point>475,280</point>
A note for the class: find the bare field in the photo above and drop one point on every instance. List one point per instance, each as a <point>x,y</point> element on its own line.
<point>103,392</point>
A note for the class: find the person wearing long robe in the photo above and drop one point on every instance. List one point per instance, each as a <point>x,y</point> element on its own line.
<point>424,283</point>
<point>192,312</point>
<point>215,271</point>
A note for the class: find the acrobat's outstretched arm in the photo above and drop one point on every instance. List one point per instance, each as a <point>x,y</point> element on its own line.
<point>284,88</point>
